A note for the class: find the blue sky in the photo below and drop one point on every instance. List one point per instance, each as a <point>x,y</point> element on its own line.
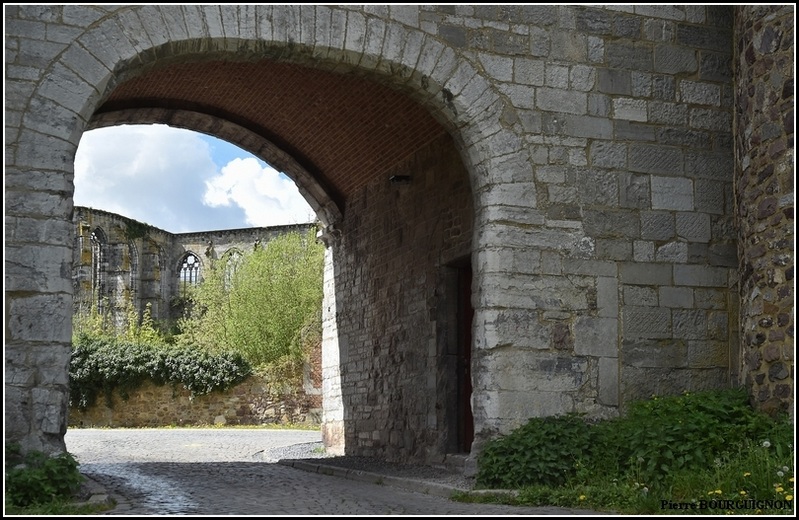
<point>182,181</point>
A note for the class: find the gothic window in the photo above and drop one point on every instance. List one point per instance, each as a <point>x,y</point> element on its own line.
<point>99,244</point>
<point>189,272</point>
<point>162,281</point>
<point>231,260</point>
<point>133,281</point>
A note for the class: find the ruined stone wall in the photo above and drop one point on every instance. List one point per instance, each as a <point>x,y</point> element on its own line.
<point>133,265</point>
<point>764,134</point>
<point>141,263</point>
<point>397,239</point>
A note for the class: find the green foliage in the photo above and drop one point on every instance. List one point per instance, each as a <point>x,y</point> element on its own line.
<point>750,470</point>
<point>543,451</point>
<point>36,478</point>
<point>104,366</point>
<point>686,449</point>
<point>266,312</point>
<point>93,325</point>
<point>59,508</point>
<point>134,230</point>
<point>260,308</point>
<point>621,496</point>
<point>667,434</point>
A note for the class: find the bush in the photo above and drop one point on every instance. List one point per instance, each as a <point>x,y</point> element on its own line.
<point>664,435</point>
<point>687,447</point>
<point>543,451</point>
<point>104,366</point>
<point>260,305</point>
<point>36,478</point>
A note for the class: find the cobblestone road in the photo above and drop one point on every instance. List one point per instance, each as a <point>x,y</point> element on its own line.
<point>232,472</point>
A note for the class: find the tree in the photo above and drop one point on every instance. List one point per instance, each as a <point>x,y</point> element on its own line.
<point>261,308</point>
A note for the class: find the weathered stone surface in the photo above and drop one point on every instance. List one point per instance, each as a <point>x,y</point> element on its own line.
<point>523,325</point>
<point>614,81</point>
<point>644,273</point>
<point>656,159</point>
<point>672,193</point>
<point>596,337</point>
<point>673,59</point>
<point>761,135</point>
<point>608,381</point>
<point>693,227</point>
<point>646,323</point>
<point>565,101</point>
<point>700,276</point>
<point>629,109</point>
<point>654,354</point>
<point>675,252</point>
<point>646,382</point>
<point>596,143</point>
<point>248,403</point>
<point>680,297</point>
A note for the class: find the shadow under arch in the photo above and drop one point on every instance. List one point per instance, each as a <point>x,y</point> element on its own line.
<point>331,130</point>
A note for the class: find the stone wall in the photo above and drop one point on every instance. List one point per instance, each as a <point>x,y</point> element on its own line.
<point>584,167</point>
<point>252,402</point>
<point>607,254</point>
<point>397,241</point>
<point>764,134</point>
<point>141,263</point>
<point>249,403</point>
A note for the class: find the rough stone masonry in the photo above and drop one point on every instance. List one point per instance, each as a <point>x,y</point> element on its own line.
<point>528,209</point>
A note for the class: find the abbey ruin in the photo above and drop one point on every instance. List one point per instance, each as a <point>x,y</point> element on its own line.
<point>528,210</point>
<point>120,265</point>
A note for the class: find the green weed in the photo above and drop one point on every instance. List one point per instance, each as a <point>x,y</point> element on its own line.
<point>695,453</point>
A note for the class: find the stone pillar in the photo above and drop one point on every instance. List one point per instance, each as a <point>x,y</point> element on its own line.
<point>332,403</point>
<point>764,120</point>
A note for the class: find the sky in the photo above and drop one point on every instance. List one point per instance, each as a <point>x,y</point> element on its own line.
<point>182,181</point>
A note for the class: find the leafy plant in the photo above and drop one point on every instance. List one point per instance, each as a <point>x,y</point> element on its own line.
<point>104,366</point>
<point>691,450</point>
<point>261,307</point>
<point>668,434</point>
<point>36,478</point>
<point>543,451</point>
<point>92,325</point>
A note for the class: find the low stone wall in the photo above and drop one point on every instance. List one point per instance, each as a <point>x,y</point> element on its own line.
<point>248,403</point>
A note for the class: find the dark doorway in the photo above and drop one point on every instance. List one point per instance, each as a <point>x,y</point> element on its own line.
<point>455,361</point>
<point>465,313</point>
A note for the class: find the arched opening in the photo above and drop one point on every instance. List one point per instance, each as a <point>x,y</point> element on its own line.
<point>389,184</point>
<point>383,327</point>
<point>231,261</point>
<point>604,222</point>
<point>99,267</point>
<point>189,273</point>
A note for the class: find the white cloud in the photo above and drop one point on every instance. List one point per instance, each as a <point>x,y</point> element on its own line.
<point>171,178</point>
<point>261,191</point>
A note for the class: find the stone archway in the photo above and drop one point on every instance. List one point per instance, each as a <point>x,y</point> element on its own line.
<point>595,145</point>
<point>355,135</point>
<point>93,98</point>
